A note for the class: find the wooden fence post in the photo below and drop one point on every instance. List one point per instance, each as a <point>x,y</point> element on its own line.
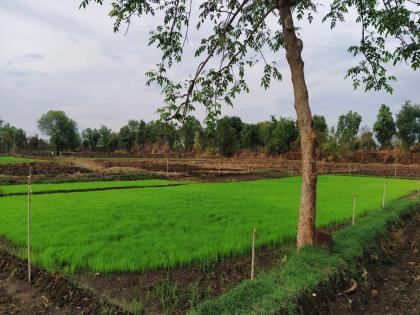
<point>383,196</point>
<point>254,232</point>
<point>395,171</point>
<point>29,222</point>
<point>167,166</point>
<point>354,209</point>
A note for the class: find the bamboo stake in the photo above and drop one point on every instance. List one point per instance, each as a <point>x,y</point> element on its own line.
<point>254,232</point>
<point>354,209</point>
<point>383,196</point>
<point>29,223</point>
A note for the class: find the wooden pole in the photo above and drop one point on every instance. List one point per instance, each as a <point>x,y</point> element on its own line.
<point>254,232</point>
<point>220,166</point>
<point>395,171</point>
<point>383,196</point>
<point>354,209</point>
<point>167,166</point>
<point>29,222</point>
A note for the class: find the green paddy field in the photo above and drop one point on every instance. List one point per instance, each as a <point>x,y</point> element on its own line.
<point>164,227</point>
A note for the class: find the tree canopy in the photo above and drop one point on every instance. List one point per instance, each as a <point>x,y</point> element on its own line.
<point>242,32</point>
<point>384,126</point>
<point>348,127</point>
<point>408,123</point>
<point>61,129</point>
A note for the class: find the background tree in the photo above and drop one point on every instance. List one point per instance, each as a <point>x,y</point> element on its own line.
<point>331,147</point>
<point>61,129</point>
<point>188,132</point>
<point>366,141</point>
<point>408,123</point>
<point>384,126</point>
<point>348,128</point>
<point>126,138</point>
<point>321,129</point>
<point>240,32</point>
<point>90,138</point>
<point>11,138</point>
<point>250,136</point>
<point>227,135</point>
<point>34,143</point>
<point>284,133</point>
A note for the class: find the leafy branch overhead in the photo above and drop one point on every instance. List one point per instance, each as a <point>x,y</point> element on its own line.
<point>246,33</point>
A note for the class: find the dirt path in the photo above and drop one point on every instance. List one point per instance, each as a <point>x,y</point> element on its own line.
<point>392,283</point>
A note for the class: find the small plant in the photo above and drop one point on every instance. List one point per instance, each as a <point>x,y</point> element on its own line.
<point>168,294</point>
<point>134,306</point>
<point>195,297</point>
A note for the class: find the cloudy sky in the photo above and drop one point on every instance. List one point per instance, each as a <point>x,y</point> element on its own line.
<point>55,56</point>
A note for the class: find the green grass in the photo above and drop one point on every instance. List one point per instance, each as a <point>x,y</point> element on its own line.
<point>137,230</point>
<point>38,188</point>
<point>278,291</point>
<point>5,159</point>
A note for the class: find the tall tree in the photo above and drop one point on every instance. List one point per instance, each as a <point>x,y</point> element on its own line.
<point>384,127</point>
<point>241,31</point>
<point>188,131</point>
<point>284,132</point>
<point>348,127</point>
<point>227,135</point>
<point>408,123</point>
<point>11,138</point>
<point>61,129</point>
<point>90,138</point>
<point>250,136</point>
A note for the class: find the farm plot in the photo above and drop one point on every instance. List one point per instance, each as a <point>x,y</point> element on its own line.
<point>139,230</point>
<point>81,186</point>
<point>6,159</point>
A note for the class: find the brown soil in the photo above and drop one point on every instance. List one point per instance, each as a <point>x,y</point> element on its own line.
<point>175,291</point>
<point>388,281</point>
<point>204,169</point>
<point>47,294</point>
<point>250,167</point>
<point>41,168</point>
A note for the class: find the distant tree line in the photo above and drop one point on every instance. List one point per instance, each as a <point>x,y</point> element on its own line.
<point>229,136</point>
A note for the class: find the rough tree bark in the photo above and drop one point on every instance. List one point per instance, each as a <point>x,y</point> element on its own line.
<point>294,46</point>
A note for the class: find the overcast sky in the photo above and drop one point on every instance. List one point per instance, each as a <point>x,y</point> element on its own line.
<point>55,56</point>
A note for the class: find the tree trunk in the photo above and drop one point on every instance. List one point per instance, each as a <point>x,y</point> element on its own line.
<point>294,46</point>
